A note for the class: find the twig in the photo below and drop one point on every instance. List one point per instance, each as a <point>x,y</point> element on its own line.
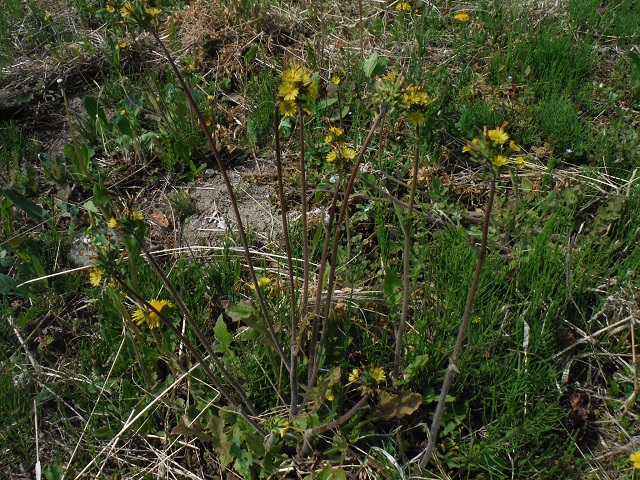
<point>453,359</point>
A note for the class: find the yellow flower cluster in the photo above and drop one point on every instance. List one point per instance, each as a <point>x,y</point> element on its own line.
<point>491,148</point>
<point>635,458</point>
<point>414,99</point>
<point>298,83</point>
<point>339,151</point>
<point>148,315</point>
<point>128,10</point>
<point>403,7</point>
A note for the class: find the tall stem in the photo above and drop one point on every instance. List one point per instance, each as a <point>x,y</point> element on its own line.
<point>336,242</point>
<point>407,262</point>
<point>232,197</point>
<point>453,359</point>
<point>293,372</point>
<point>305,227</point>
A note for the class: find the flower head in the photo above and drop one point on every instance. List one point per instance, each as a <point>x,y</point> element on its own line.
<point>110,8</point>
<point>498,136</point>
<point>635,458</point>
<point>331,156</point>
<point>500,160</point>
<point>288,108</point>
<point>126,10</point>
<point>95,277</point>
<point>113,223</point>
<point>461,17</point>
<point>378,374</point>
<point>415,117</point>
<point>354,375</point>
<point>413,95</point>
<point>329,395</point>
<point>145,314</point>
<point>152,11</point>
<point>288,91</point>
<point>403,7</point>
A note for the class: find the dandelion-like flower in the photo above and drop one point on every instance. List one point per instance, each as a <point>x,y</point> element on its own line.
<point>110,8</point>
<point>262,282</point>
<point>461,17</point>
<point>113,223</point>
<point>500,160</point>
<point>415,117</point>
<point>354,375</point>
<point>288,108</point>
<point>126,10</point>
<point>145,314</point>
<point>403,7</point>
<point>378,374</point>
<point>95,277</point>
<point>329,395</point>
<point>498,136</point>
<point>152,11</point>
<point>331,156</point>
<point>288,91</point>
<point>413,95</point>
<point>519,161</point>
<point>635,458</point>
<point>137,215</point>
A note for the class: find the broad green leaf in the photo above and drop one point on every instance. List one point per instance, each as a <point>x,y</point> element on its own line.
<point>27,206</point>
<point>222,334</point>
<point>374,65</point>
<point>392,288</point>
<point>398,406</point>
<point>251,53</point>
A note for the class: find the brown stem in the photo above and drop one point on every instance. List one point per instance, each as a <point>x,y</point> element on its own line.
<point>310,432</point>
<point>305,227</point>
<point>407,263</point>
<point>315,326</point>
<point>453,359</point>
<point>232,197</point>
<point>293,372</point>
<point>336,241</point>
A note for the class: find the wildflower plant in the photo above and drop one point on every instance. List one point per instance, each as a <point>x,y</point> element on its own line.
<point>494,149</point>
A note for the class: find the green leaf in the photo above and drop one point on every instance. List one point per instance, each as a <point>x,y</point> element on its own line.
<point>330,472</point>
<point>325,103</point>
<point>392,288</point>
<point>27,206</point>
<point>222,334</point>
<point>374,65</point>
<point>251,53</point>
<point>182,429</point>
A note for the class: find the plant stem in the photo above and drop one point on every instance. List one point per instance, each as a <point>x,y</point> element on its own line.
<point>310,432</point>
<point>305,227</point>
<point>406,262</point>
<point>232,197</point>
<point>336,241</point>
<point>293,372</point>
<point>453,359</point>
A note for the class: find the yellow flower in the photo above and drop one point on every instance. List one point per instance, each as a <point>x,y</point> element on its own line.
<point>293,74</point>
<point>288,91</point>
<point>110,8</point>
<point>288,108</point>
<point>209,97</point>
<point>137,216</point>
<point>95,277</point>
<point>120,46</point>
<point>416,117</point>
<point>331,156</point>
<point>461,17</point>
<point>413,95</point>
<point>329,395</point>
<point>391,76</point>
<point>476,319</point>
<point>141,315</point>
<point>519,161</point>
<point>470,146</point>
<point>513,148</point>
<point>335,80</point>
<point>348,153</point>
<point>126,10</point>
<point>263,282</point>
<point>378,374</point>
<point>328,139</point>
<point>500,160</point>
<point>152,12</point>
<point>47,16</point>
<point>354,375</point>
<point>635,458</point>
<point>498,136</point>
<point>336,131</point>
<point>281,426</point>
<point>403,6</point>
<point>113,223</point>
